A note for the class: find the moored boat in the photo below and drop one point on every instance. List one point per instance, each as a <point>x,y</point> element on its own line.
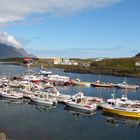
<point>9,93</point>
<point>102,84</point>
<point>121,111</point>
<point>96,100</point>
<point>123,101</point>
<point>77,82</point>
<point>54,93</point>
<point>82,104</point>
<point>44,72</point>
<point>125,85</point>
<point>43,99</point>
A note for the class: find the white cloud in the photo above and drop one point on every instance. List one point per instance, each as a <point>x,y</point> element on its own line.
<point>9,40</point>
<point>13,10</point>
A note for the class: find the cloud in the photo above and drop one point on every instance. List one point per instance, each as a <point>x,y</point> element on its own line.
<point>16,10</point>
<point>9,40</point>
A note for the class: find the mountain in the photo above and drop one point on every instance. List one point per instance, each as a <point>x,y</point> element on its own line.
<point>138,54</point>
<point>10,52</point>
<point>10,47</point>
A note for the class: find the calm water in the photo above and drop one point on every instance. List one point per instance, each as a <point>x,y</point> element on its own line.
<point>22,121</point>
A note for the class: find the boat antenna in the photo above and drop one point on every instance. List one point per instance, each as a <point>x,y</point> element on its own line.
<point>113,94</point>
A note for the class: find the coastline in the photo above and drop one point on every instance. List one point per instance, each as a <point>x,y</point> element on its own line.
<point>114,67</point>
<point>103,71</point>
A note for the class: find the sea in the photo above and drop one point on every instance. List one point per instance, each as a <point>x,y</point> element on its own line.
<point>22,120</point>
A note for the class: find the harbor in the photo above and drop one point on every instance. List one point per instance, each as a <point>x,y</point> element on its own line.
<point>21,116</point>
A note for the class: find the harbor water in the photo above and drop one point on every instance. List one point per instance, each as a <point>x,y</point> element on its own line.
<point>21,120</point>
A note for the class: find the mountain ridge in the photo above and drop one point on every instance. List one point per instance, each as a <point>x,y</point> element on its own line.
<point>7,51</point>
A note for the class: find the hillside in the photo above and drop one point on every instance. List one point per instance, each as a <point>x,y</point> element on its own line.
<point>115,66</point>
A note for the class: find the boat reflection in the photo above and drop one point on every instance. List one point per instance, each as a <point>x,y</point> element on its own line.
<point>115,121</point>
<point>10,101</point>
<point>41,108</point>
<point>102,88</point>
<point>128,90</point>
<point>75,112</point>
<point>3,136</point>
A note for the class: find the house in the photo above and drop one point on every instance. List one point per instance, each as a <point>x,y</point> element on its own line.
<point>137,63</point>
<point>66,61</point>
<point>51,60</point>
<point>99,59</point>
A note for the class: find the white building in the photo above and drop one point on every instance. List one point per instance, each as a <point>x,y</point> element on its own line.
<point>66,61</point>
<point>137,63</point>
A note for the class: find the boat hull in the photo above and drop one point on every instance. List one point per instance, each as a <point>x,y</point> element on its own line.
<point>13,96</point>
<point>81,107</point>
<point>42,101</point>
<point>121,112</point>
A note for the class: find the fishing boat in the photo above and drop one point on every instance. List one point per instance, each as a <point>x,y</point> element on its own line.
<point>14,84</point>
<point>44,71</point>
<point>10,93</point>
<point>96,100</point>
<point>123,101</point>
<point>48,85</point>
<point>54,93</point>
<point>126,111</point>
<point>98,83</point>
<point>77,82</point>
<point>125,85</point>
<point>43,99</point>
<point>82,104</point>
<point>4,79</point>
<point>56,79</point>
<point>32,78</point>
<point>27,93</point>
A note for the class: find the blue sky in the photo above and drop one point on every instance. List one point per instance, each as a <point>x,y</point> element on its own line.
<point>95,28</point>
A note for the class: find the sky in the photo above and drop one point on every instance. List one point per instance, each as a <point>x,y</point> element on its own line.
<point>73,28</point>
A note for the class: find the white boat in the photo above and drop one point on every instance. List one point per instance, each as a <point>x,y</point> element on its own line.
<point>96,100</point>
<point>123,101</point>
<point>48,85</point>
<point>4,80</point>
<point>44,72</point>
<point>77,82</point>
<point>27,93</point>
<point>82,104</point>
<point>14,84</point>
<point>57,79</point>
<point>33,78</point>
<point>125,85</point>
<point>43,99</point>
<point>54,93</point>
<point>9,93</point>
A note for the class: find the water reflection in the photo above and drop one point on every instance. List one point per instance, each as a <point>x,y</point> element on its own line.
<point>3,136</point>
<point>10,101</point>
<point>41,108</point>
<point>75,112</point>
<point>127,90</point>
<point>102,88</point>
<point>116,121</point>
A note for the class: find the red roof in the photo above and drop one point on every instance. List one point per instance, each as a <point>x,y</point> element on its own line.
<point>27,59</point>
